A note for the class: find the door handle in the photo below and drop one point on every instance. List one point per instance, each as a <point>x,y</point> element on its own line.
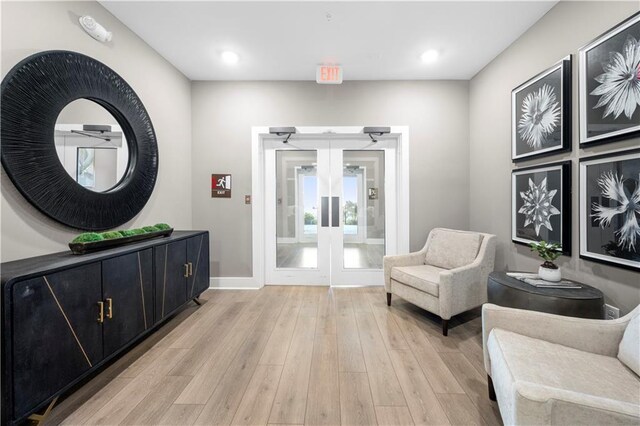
<point>190,269</point>
<point>324,212</point>
<point>109,308</point>
<point>186,270</point>
<point>101,312</point>
<point>335,212</point>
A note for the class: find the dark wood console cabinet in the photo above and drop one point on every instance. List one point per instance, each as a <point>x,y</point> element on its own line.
<point>63,315</point>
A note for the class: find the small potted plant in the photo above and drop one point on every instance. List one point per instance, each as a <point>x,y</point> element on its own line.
<point>548,271</point>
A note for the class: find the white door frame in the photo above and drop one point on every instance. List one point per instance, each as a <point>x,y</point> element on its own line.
<point>261,133</point>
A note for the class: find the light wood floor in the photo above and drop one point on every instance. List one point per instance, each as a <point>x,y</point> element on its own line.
<point>294,355</point>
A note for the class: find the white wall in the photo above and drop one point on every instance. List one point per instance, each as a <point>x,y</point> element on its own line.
<point>224,112</point>
<point>30,27</point>
<point>562,31</point>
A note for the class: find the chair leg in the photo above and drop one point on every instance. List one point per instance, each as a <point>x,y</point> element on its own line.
<point>445,327</point>
<point>388,299</point>
<point>492,390</point>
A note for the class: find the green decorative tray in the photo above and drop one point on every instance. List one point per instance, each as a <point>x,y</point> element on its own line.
<point>88,247</point>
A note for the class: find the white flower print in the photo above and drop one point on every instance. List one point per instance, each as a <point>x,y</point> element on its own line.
<point>537,206</point>
<point>540,116</point>
<point>612,188</point>
<point>619,90</point>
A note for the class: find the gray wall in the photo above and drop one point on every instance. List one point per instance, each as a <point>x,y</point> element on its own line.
<point>224,112</point>
<point>30,27</point>
<point>562,31</point>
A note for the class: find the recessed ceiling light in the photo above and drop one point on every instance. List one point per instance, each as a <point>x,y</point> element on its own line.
<point>429,56</point>
<point>229,57</point>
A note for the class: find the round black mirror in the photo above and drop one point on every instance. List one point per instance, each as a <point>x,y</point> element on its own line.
<point>91,146</point>
<point>107,182</point>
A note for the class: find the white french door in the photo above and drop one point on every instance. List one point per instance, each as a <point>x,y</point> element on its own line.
<point>330,210</point>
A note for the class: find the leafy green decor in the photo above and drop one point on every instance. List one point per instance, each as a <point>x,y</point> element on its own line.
<point>88,237</point>
<point>547,251</point>
<point>111,235</point>
<point>92,241</point>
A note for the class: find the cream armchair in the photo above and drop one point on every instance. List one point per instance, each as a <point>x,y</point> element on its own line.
<point>546,369</point>
<point>447,277</point>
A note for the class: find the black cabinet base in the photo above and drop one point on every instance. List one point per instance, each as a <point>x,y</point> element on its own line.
<point>88,310</point>
<point>41,418</point>
<point>74,386</point>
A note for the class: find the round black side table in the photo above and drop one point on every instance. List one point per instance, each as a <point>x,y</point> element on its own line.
<point>584,302</point>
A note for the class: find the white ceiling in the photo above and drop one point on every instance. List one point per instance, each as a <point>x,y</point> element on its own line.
<point>286,40</point>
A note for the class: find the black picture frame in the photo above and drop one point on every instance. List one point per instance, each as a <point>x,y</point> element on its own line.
<point>600,120</point>
<point>550,177</point>
<point>601,175</point>
<point>33,93</point>
<point>530,138</point>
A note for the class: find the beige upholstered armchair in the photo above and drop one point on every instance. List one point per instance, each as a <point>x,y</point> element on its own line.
<point>447,277</point>
<point>546,369</point>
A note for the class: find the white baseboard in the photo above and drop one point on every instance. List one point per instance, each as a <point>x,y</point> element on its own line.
<point>375,240</point>
<point>357,285</point>
<point>283,240</point>
<point>233,283</point>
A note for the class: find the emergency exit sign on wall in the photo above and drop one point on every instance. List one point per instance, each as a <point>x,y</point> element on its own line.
<point>220,186</point>
<point>329,74</point>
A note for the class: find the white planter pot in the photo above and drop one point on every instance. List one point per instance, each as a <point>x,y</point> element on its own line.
<point>549,274</point>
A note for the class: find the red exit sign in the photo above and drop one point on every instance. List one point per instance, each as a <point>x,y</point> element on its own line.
<point>329,74</point>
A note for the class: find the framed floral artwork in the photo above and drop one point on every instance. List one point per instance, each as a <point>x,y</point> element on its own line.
<point>609,81</point>
<point>610,208</point>
<point>541,113</point>
<point>541,204</point>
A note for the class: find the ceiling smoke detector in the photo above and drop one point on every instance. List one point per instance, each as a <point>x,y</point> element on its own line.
<point>94,29</point>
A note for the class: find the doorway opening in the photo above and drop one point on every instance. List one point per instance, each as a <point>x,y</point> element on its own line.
<point>330,208</point>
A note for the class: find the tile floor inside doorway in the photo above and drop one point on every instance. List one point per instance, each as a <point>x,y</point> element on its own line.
<point>305,255</point>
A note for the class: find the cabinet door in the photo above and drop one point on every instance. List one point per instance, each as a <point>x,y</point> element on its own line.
<point>198,258</point>
<point>56,333</point>
<point>171,277</point>
<point>127,285</point>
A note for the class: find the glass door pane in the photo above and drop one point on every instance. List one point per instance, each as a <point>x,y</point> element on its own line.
<point>297,201</point>
<point>363,207</point>
<point>309,196</point>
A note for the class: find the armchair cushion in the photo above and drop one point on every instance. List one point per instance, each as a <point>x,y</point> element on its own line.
<point>451,249</point>
<point>539,382</point>
<point>422,277</point>
<point>629,349</point>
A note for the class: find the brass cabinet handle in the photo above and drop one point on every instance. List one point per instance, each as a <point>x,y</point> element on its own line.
<point>101,312</point>
<point>190,268</point>
<point>109,308</point>
<point>186,270</point>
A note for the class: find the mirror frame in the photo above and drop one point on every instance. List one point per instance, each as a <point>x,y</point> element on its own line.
<point>33,94</point>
